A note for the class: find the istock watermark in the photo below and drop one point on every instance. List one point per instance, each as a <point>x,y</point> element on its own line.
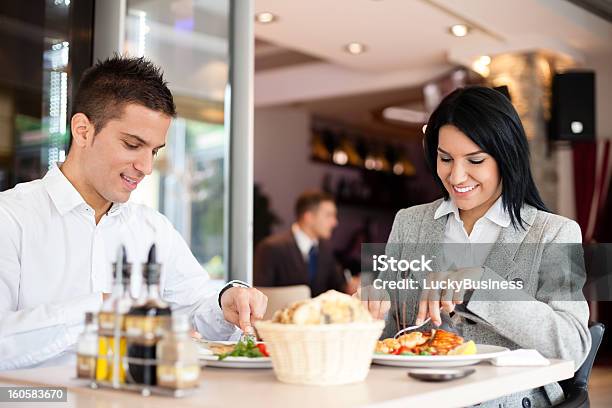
<point>498,271</point>
<point>384,263</point>
<point>431,283</point>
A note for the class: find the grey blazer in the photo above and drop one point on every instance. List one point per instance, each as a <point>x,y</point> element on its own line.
<point>557,328</point>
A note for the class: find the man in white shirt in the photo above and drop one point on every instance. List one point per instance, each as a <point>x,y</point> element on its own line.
<point>59,235</point>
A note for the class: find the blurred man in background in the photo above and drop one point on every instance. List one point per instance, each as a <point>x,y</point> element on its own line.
<point>303,255</point>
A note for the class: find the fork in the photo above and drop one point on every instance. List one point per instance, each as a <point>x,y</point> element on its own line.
<point>244,337</point>
<point>410,328</point>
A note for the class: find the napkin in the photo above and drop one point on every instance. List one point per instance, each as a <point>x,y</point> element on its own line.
<point>520,357</point>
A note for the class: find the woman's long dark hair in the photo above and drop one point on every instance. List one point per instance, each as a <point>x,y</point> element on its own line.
<point>488,118</point>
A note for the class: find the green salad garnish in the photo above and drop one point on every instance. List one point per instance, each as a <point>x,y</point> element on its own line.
<point>247,348</point>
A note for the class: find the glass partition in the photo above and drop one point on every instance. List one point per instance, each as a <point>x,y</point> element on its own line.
<point>189,40</point>
<point>46,45</point>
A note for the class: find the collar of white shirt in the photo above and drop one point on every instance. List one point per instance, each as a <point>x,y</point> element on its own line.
<point>304,242</point>
<point>63,194</point>
<point>496,213</point>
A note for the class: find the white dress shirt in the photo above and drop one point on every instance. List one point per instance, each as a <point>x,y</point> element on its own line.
<point>55,262</point>
<point>304,242</point>
<point>470,250</point>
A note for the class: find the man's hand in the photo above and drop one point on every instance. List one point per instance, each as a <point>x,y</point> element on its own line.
<point>353,285</point>
<point>434,300</point>
<point>243,306</point>
<point>376,301</point>
<point>106,296</point>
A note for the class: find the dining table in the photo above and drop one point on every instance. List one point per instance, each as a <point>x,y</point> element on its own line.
<point>234,387</point>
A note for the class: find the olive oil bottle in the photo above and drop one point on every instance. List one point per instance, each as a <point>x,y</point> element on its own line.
<point>144,323</point>
<point>109,365</point>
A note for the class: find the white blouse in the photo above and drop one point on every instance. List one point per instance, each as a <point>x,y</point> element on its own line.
<point>462,250</point>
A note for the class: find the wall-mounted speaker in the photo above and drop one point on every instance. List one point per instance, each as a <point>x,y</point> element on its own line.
<point>573,106</point>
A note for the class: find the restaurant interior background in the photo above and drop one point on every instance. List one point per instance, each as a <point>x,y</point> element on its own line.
<point>343,88</point>
<point>341,92</point>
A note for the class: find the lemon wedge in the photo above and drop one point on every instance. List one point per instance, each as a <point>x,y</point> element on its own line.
<point>464,349</point>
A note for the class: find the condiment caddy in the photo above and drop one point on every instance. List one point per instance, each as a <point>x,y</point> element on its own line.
<point>138,344</point>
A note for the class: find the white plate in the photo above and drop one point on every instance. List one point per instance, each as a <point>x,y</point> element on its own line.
<point>212,360</point>
<point>483,352</point>
<point>237,362</point>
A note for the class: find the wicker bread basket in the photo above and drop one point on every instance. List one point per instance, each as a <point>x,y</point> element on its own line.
<point>326,354</point>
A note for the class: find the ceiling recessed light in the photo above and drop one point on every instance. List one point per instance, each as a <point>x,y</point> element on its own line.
<point>355,48</point>
<point>484,60</point>
<point>265,17</point>
<point>459,30</point>
<point>402,114</point>
<point>481,65</point>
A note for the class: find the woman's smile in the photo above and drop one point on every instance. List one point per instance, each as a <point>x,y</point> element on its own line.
<point>462,191</point>
<point>469,174</point>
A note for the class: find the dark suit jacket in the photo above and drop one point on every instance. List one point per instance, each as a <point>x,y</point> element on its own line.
<point>279,262</point>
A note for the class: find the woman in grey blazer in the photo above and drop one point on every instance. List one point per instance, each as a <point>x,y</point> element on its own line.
<point>477,150</point>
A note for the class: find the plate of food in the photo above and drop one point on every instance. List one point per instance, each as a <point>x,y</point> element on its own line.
<point>234,354</point>
<point>434,348</point>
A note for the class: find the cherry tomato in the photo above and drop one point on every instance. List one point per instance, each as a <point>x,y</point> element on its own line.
<point>402,350</point>
<point>262,349</point>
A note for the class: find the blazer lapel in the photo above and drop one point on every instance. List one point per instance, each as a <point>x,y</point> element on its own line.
<point>503,252</point>
<point>298,258</point>
<point>431,236</point>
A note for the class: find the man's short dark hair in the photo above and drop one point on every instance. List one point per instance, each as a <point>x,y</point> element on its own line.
<point>108,86</point>
<point>310,201</point>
